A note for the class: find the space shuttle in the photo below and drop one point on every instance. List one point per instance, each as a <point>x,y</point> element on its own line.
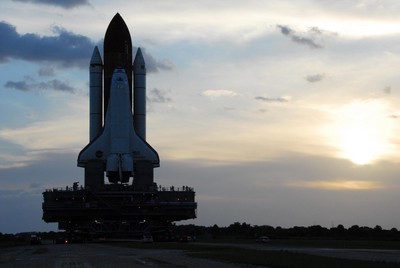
<point>118,146</point>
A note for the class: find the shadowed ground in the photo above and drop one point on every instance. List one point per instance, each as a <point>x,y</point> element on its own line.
<point>137,254</point>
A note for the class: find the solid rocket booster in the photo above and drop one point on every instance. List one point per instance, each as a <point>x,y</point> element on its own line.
<point>95,94</point>
<point>117,54</point>
<point>139,70</point>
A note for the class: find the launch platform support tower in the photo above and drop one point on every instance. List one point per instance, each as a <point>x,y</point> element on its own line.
<point>118,148</point>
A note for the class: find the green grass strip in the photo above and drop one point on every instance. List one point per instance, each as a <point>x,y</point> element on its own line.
<point>278,259</point>
<point>268,258</point>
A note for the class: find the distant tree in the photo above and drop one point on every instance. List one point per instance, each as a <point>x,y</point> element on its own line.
<point>394,234</point>
<point>318,230</point>
<point>355,230</point>
<point>264,230</point>
<point>338,232</point>
<point>340,228</point>
<point>378,228</point>
<point>363,232</point>
<point>215,231</point>
<point>298,231</point>
<point>245,230</point>
<point>234,227</point>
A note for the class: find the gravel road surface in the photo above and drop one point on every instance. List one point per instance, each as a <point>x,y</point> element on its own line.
<point>99,256</point>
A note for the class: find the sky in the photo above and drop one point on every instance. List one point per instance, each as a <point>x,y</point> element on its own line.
<point>281,113</point>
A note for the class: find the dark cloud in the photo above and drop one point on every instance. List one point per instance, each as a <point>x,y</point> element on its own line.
<point>46,71</point>
<point>153,65</point>
<point>56,85</point>
<point>300,39</point>
<point>278,99</point>
<point>156,95</point>
<point>64,48</point>
<point>67,4</point>
<point>20,85</point>
<point>316,31</point>
<point>27,85</point>
<point>315,78</point>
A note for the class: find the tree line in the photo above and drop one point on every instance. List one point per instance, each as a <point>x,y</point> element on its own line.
<point>245,230</point>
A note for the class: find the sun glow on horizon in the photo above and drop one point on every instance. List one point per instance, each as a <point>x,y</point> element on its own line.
<point>362,131</point>
<point>355,185</point>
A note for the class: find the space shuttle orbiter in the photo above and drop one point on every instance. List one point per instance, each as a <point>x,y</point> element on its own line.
<point>118,147</point>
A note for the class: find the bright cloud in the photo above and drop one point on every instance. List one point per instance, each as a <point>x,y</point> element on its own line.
<point>218,93</point>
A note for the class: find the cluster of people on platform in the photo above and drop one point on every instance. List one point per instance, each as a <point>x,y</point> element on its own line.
<point>173,188</point>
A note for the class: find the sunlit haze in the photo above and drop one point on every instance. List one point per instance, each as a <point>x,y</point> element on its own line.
<point>363,131</point>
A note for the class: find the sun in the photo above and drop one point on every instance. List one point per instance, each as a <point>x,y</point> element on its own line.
<point>362,131</point>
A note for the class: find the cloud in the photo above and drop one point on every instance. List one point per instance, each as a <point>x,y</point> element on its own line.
<point>22,187</point>
<point>46,135</point>
<point>298,38</point>
<point>20,85</point>
<point>35,185</point>
<point>54,84</point>
<point>278,99</point>
<point>46,71</point>
<point>315,78</point>
<point>154,66</point>
<point>64,48</point>
<point>60,3</point>
<point>159,96</point>
<point>165,64</point>
<point>218,93</point>
<point>387,90</point>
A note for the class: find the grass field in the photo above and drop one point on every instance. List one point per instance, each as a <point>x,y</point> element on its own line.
<point>319,243</point>
<point>268,258</point>
<point>281,258</point>
<point>348,244</point>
